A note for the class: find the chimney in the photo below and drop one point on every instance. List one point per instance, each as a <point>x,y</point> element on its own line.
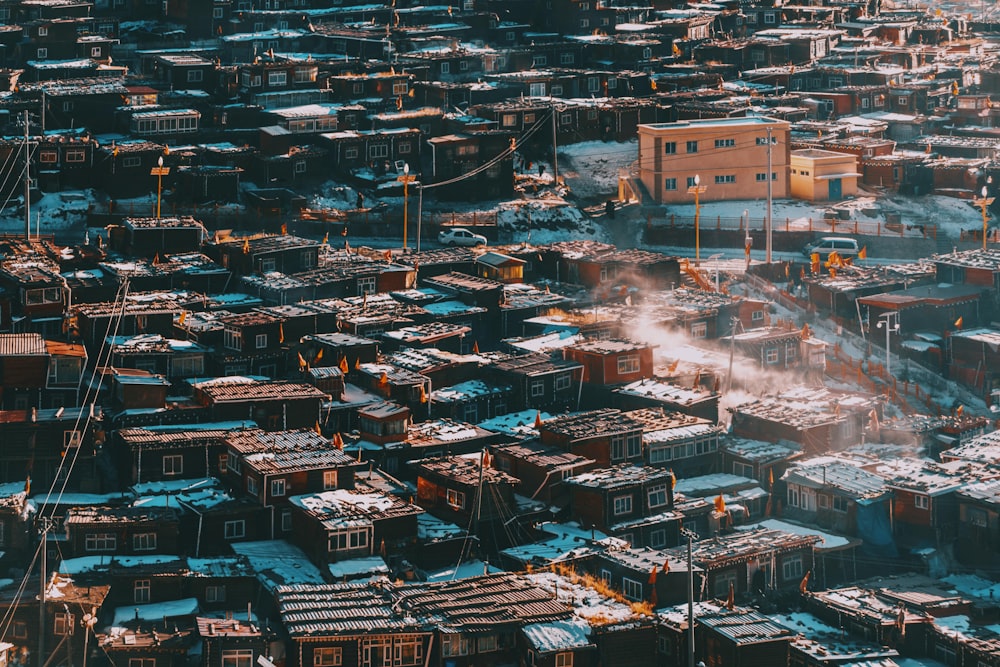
<point>211,628</point>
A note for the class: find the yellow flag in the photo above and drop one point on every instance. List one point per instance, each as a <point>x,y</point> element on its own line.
<point>184,315</point>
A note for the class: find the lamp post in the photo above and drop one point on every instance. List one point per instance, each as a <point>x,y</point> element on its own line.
<point>406,179</point>
<point>696,190</point>
<point>691,537</point>
<point>890,322</point>
<point>159,171</point>
<point>983,202</point>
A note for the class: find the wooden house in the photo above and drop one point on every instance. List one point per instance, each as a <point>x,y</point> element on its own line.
<point>540,469</point>
<point>341,524</point>
<point>275,406</point>
<point>607,436</point>
<point>633,503</point>
<point>121,531</point>
<point>612,362</point>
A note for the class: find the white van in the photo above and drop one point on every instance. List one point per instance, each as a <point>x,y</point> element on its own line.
<point>844,246</point>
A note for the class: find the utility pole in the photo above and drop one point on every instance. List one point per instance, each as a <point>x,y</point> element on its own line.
<point>555,149</point>
<point>890,322</point>
<point>732,350</point>
<point>769,193</point>
<point>27,182</point>
<point>41,595</point>
<point>691,536</point>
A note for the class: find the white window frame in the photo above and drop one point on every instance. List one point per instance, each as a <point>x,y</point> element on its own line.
<point>141,591</point>
<point>215,593</point>
<point>628,363</point>
<point>622,505</point>
<point>278,487</point>
<point>654,495</point>
<point>632,589</point>
<point>455,499</point>
<point>144,541</point>
<point>62,624</point>
<point>329,480</point>
<point>173,464</point>
<point>328,656</point>
<point>261,341</point>
<point>792,568</point>
<point>235,529</point>
<point>537,388</point>
<point>100,542</point>
<point>921,502</point>
<point>237,657</point>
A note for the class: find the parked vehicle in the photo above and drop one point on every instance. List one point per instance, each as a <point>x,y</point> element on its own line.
<point>844,246</point>
<point>460,236</point>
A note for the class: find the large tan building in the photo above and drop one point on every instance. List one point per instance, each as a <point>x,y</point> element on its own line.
<point>729,155</point>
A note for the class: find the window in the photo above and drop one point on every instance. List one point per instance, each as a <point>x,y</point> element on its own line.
<point>348,540</point>
<point>631,589</point>
<point>658,538</point>
<point>252,487</point>
<point>633,445</point>
<point>725,143</point>
<point>300,166</point>
<point>699,329</point>
<point>329,480</point>
<point>617,447</point>
<point>366,285</point>
<point>63,624</point>
<point>725,178</point>
<point>43,31</point>
<point>132,162</point>
<point>657,496</point>
<point>195,75</point>
<point>234,529</point>
<point>539,61</point>
<point>606,576</point>
<point>565,119</point>
<point>76,155</point>
<point>378,151</point>
<point>277,78</point>
<point>791,351</point>
<point>529,118</point>
<point>690,181</point>
<point>277,487</point>
<point>537,388</point>
<point>453,645</point>
<point>692,147</point>
<point>400,88</point>
<point>722,582</point>
<point>762,177</point>
<point>215,594</point>
<point>173,464</point>
<point>144,542</point>
<point>48,157</point>
<point>446,68</point>
<point>509,120</point>
<point>628,363</point>
<point>669,147</point>
<point>564,659</point>
<point>42,54</point>
<point>771,356</point>
<point>101,542</point>
<point>71,439</point>
<point>840,504</point>
<point>217,13</point>
<point>286,520</point>
<point>622,505</point>
<point>770,18</point>
<point>563,381</point>
<point>566,58</point>
<point>328,657</point>
<point>351,153</point>
<point>403,148</point>
<point>20,630</point>
<point>455,499</point>
<point>140,591</point>
<point>670,184</point>
<point>921,502</point>
<point>791,568</point>
<point>743,469</point>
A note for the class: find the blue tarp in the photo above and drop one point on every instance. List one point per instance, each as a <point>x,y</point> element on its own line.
<point>874,528</point>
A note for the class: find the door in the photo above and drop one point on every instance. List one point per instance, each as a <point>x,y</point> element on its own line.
<point>835,189</point>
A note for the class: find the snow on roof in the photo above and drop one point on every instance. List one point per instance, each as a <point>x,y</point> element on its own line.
<point>431,529</point>
<point>586,603</point>
<point>279,563</point>
<point>830,541</point>
<point>519,424</point>
<point>355,568</point>
<point>467,569</point>
<point>558,635</point>
<point>155,612</point>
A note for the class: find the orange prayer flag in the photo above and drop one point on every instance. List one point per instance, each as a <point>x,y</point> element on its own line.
<point>959,322</point>
<point>343,365</point>
<point>302,361</point>
<point>281,332</point>
<point>538,419</point>
<point>804,584</point>
<point>319,355</point>
<point>863,253</point>
<point>652,576</point>
<point>475,347</point>
<point>960,410</point>
<point>720,504</point>
<point>318,429</point>
<point>673,479</point>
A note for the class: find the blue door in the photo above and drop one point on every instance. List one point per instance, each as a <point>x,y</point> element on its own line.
<point>836,190</point>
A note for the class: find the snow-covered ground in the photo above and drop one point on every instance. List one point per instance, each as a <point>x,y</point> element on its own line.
<point>591,168</point>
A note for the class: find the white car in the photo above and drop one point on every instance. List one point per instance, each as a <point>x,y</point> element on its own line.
<point>460,236</point>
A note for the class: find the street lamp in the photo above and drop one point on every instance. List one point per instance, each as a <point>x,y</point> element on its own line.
<point>159,171</point>
<point>696,190</point>
<point>691,537</point>
<point>406,179</point>
<point>890,322</point>
<point>984,202</point>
